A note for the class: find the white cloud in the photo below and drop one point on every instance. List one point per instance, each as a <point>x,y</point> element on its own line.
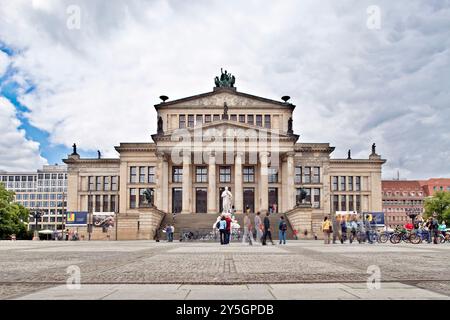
<point>4,62</point>
<point>17,153</point>
<point>352,86</point>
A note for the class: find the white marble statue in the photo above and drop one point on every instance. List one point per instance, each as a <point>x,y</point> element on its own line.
<point>227,198</point>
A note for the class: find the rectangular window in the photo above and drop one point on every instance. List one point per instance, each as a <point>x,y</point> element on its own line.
<point>114,183</point>
<point>250,119</point>
<point>225,174</point>
<point>316,175</point>
<point>233,117</point>
<point>142,198</point>
<point>201,174</point>
<point>91,183</point>
<point>216,117</point>
<point>307,175</point>
<point>358,203</point>
<point>273,175</point>
<point>342,185</point>
<point>350,184</point>
<point>106,203</point>
<point>335,203</point>
<point>113,204</point>
<point>298,175</point>
<point>106,183</point>
<point>334,183</point>
<point>132,198</point>
<point>199,119</point>
<point>351,206</point>
<point>316,198</point>
<point>357,183</point>
<point>141,174</point>
<point>267,123</point>
<point>190,120</point>
<point>249,174</point>
<point>182,121</point>
<point>97,203</point>
<point>308,195</point>
<point>343,203</point>
<point>298,196</point>
<point>98,183</point>
<point>242,118</point>
<point>151,174</point>
<point>259,120</point>
<point>207,118</point>
<point>133,177</point>
<point>177,174</point>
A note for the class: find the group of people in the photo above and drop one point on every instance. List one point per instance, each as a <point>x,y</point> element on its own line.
<point>345,227</point>
<point>257,232</point>
<point>431,227</point>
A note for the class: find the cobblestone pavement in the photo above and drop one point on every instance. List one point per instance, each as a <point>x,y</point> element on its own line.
<point>28,267</point>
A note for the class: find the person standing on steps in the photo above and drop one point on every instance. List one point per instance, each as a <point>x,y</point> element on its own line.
<point>228,229</point>
<point>282,227</point>
<point>267,232</point>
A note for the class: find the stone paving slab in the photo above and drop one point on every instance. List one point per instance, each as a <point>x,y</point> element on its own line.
<point>233,292</point>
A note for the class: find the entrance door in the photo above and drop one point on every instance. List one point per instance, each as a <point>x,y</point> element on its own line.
<point>177,200</point>
<point>201,195</point>
<point>273,200</point>
<point>222,189</point>
<point>249,199</point>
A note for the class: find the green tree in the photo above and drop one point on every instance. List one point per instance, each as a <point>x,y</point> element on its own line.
<point>439,204</point>
<point>13,217</point>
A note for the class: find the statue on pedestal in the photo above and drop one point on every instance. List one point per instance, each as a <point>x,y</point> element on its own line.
<point>227,198</point>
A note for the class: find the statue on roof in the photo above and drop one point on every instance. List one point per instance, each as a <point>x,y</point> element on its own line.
<point>349,154</point>
<point>226,79</point>
<point>373,148</point>
<point>74,146</point>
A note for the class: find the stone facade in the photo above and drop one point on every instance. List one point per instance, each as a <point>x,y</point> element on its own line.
<point>218,139</point>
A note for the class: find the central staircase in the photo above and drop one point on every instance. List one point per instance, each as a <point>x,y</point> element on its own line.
<point>205,223</point>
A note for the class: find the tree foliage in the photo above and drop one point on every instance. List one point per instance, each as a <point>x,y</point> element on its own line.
<point>13,217</point>
<point>439,204</point>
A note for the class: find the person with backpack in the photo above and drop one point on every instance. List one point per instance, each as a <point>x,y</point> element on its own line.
<point>434,227</point>
<point>282,228</point>
<point>222,226</point>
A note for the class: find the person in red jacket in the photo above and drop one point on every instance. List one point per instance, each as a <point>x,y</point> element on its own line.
<point>228,230</point>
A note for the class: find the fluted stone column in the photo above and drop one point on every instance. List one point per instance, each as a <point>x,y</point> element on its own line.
<point>238,193</point>
<point>186,207</point>
<point>212,184</point>
<point>290,180</point>
<point>264,190</point>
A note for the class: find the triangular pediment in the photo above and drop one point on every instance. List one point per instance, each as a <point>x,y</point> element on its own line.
<point>217,98</point>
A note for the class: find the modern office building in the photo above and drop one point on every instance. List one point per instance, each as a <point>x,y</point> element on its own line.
<point>43,190</point>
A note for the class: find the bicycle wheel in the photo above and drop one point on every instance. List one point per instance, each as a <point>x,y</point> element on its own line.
<point>383,238</point>
<point>441,238</point>
<point>413,238</point>
<point>396,238</point>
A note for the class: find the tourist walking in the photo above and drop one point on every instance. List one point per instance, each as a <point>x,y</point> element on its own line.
<point>353,226</point>
<point>335,221</point>
<point>343,230</point>
<point>222,230</point>
<point>367,227</point>
<point>267,232</point>
<point>282,228</point>
<point>247,230</point>
<point>228,229</point>
<point>258,227</point>
<point>326,229</point>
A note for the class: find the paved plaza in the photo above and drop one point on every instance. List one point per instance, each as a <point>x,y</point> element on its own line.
<point>150,270</point>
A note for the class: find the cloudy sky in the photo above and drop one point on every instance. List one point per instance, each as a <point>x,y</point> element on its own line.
<point>358,71</point>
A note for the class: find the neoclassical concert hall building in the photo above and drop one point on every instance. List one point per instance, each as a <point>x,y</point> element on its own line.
<point>223,138</point>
